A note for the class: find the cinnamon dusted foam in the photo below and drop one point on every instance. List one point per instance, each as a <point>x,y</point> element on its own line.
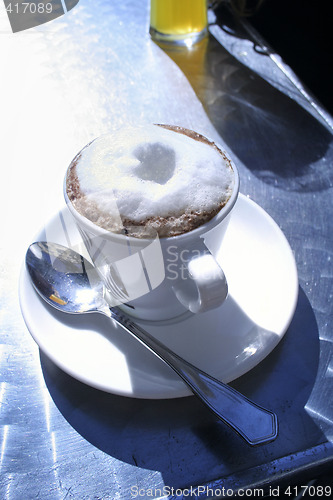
<point>155,178</point>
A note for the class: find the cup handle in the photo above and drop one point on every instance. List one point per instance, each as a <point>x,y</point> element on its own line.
<point>206,286</point>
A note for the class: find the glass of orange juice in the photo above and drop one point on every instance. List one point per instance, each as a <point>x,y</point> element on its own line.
<point>181,22</point>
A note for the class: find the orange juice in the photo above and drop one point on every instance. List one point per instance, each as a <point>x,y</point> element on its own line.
<point>178,20</point>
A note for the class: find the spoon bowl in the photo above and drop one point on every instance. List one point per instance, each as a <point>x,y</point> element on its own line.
<point>65,279</point>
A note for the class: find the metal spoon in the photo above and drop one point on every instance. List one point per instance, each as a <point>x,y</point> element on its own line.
<point>68,282</point>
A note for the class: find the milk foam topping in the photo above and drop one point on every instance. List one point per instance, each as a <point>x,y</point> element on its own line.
<point>152,172</point>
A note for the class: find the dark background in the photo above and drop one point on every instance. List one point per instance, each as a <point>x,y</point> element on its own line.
<point>300,31</point>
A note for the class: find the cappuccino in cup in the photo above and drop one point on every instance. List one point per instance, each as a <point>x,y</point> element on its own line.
<point>138,181</point>
<point>143,199</point>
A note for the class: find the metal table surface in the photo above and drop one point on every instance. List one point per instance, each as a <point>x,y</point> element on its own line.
<point>63,84</point>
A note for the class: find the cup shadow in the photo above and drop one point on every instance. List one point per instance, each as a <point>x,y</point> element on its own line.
<point>179,437</point>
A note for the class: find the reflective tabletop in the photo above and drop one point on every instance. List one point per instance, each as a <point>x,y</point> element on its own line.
<point>72,79</point>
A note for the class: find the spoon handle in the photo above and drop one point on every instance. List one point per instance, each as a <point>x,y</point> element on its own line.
<point>252,422</point>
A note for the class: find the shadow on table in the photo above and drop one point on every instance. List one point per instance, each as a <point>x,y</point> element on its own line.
<point>179,437</point>
<point>270,134</point>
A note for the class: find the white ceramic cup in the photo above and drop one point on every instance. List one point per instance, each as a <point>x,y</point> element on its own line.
<point>160,279</point>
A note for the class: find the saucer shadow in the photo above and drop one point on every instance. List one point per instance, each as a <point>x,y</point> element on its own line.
<point>266,131</point>
<point>179,437</point>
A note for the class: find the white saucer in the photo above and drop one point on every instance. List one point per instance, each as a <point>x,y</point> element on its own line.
<point>227,342</point>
